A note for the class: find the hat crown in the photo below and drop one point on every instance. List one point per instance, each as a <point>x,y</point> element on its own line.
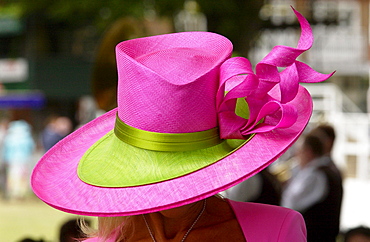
<point>168,83</point>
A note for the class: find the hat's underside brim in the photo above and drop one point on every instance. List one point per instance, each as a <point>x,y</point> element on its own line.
<point>111,162</point>
<point>55,179</point>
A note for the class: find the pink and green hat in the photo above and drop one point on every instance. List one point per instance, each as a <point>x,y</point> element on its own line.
<point>191,121</point>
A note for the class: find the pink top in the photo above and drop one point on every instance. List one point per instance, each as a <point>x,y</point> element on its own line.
<point>261,222</point>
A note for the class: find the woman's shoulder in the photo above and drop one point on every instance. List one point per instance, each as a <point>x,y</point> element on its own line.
<point>282,223</point>
<point>97,239</point>
<point>261,209</point>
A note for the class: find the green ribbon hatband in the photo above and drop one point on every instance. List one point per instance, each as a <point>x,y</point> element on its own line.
<point>166,141</point>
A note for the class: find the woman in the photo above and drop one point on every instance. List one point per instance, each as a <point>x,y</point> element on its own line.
<point>176,140</point>
<point>212,219</point>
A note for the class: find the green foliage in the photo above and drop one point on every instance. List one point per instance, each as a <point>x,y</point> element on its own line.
<point>11,9</point>
<point>81,12</point>
<point>236,19</point>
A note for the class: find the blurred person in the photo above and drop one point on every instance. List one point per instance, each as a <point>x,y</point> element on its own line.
<point>56,129</point>
<point>327,133</point>
<point>315,191</point>
<point>328,136</point>
<point>357,234</point>
<point>3,164</point>
<point>190,18</point>
<point>18,149</point>
<point>87,110</point>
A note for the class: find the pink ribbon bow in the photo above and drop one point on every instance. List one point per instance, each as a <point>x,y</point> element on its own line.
<point>265,112</point>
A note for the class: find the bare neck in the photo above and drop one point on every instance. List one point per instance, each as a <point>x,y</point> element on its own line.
<point>217,220</point>
<point>174,223</point>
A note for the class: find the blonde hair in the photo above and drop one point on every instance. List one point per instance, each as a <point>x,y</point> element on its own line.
<point>119,227</point>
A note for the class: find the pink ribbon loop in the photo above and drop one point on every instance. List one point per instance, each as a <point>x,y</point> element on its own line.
<point>238,81</point>
<point>275,115</point>
<point>238,74</point>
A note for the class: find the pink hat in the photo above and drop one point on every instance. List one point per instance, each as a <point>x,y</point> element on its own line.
<point>176,137</point>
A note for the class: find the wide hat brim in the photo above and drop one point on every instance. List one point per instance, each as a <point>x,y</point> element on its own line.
<point>56,182</point>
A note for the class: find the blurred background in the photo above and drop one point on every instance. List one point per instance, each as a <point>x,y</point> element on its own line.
<point>57,72</point>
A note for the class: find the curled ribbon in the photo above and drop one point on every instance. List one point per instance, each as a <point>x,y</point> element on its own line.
<point>239,81</point>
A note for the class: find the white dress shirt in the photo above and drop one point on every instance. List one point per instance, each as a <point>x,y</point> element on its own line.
<point>245,191</point>
<point>308,187</point>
